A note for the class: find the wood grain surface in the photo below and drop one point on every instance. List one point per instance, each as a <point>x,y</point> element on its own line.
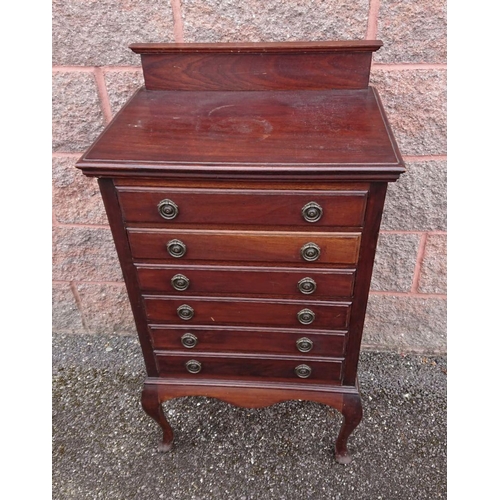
<point>244,246</point>
<point>228,280</point>
<point>247,311</point>
<point>248,340</point>
<point>243,207</point>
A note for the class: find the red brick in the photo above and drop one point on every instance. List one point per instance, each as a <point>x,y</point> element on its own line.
<point>77,118</point>
<point>273,20</point>
<point>405,324</point>
<point>98,32</point>
<point>395,262</point>
<point>66,317</point>
<point>433,272</point>
<point>121,85</point>
<point>412,32</point>
<point>76,199</point>
<point>106,308</point>
<point>84,254</point>
<point>415,102</point>
<point>418,200</point>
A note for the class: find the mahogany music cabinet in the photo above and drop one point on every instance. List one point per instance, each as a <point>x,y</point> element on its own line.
<point>244,186</point>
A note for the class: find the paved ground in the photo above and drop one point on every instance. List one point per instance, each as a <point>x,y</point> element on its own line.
<point>104,445</point>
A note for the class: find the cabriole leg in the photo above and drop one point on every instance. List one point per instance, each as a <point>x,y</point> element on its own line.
<point>152,406</point>
<point>352,413</point>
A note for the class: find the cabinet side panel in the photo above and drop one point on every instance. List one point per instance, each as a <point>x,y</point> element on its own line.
<point>375,206</point>
<point>111,204</point>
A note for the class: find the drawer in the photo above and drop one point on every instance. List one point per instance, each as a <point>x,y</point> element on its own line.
<point>248,246</point>
<point>294,282</point>
<point>243,207</point>
<point>247,340</point>
<point>279,369</point>
<point>239,311</point>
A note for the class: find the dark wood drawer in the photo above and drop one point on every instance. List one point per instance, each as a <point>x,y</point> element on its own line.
<point>243,207</point>
<point>293,282</point>
<point>197,339</point>
<point>248,246</point>
<point>249,368</point>
<point>239,311</point>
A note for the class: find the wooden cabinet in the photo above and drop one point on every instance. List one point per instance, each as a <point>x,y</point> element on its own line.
<point>244,186</point>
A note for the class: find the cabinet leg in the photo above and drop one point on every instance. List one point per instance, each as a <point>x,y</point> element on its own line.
<point>151,404</point>
<point>352,413</point>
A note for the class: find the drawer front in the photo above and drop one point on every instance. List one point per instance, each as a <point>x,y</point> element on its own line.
<point>243,207</point>
<point>245,368</point>
<point>248,246</point>
<point>247,340</point>
<point>231,311</point>
<point>293,282</point>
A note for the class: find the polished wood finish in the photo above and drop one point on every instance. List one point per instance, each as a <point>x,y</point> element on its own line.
<point>260,156</point>
<point>247,311</point>
<point>277,369</point>
<point>250,207</point>
<point>344,399</point>
<point>240,66</point>
<point>110,199</point>
<point>244,246</point>
<point>224,280</point>
<point>249,340</point>
<point>262,48</point>
<point>364,274</point>
<point>271,132</point>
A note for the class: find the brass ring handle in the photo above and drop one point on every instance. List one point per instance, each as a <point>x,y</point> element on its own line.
<point>180,282</point>
<point>306,316</point>
<point>312,212</point>
<point>176,248</point>
<point>303,371</point>
<point>304,344</point>
<point>168,209</point>
<point>306,286</point>
<point>185,312</point>
<point>193,366</point>
<point>310,252</point>
<point>188,340</point>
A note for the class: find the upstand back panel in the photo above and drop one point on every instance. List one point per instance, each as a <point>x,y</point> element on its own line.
<point>244,186</point>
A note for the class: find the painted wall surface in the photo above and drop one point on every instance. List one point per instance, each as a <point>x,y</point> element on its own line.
<point>94,73</point>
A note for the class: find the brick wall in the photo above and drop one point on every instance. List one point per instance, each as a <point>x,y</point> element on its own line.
<point>94,73</point>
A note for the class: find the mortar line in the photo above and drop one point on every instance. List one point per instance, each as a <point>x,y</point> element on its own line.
<point>76,69</point>
<point>372,25</point>
<point>408,66</point>
<point>409,231</point>
<point>407,350</point>
<point>372,292</point>
<point>178,25</point>
<point>59,154</point>
<point>411,295</point>
<point>418,264</point>
<point>79,305</point>
<point>179,38</point>
<point>83,226</point>
<point>121,69</point>
<point>89,69</point>
<point>424,157</point>
<point>382,231</point>
<point>80,282</point>
<point>103,94</point>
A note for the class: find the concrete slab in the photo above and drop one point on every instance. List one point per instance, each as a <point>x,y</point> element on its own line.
<point>105,446</point>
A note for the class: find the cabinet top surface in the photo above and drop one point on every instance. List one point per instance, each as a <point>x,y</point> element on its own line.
<point>297,131</point>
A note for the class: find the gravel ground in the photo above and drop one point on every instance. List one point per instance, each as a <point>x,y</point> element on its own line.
<point>105,446</point>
